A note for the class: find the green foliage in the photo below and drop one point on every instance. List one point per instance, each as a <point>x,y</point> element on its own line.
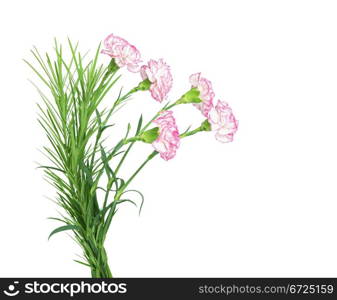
<point>62,228</point>
<point>74,124</point>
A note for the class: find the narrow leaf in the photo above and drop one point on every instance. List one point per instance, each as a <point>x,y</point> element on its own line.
<point>62,228</point>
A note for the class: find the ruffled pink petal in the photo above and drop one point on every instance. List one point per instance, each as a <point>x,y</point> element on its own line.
<point>124,53</point>
<point>134,68</point>
<point>224,138</point>
<point>120,62</point>
<point>194,79</point>
<point>223,122</point>
<point>159,74</point>
<point>213,116</point>
<point>168,140</point>
<point>204,86</point>
<point>156,92</point>
<point>107,52</point>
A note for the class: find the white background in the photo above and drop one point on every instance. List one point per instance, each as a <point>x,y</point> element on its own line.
<point>264,205</point>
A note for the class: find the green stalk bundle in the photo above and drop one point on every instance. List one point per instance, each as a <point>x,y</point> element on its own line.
<point>74,124</point>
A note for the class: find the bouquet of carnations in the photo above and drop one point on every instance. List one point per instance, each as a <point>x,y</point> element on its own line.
<point>76,125</point>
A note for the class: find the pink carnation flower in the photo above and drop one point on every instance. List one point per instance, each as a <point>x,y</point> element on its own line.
<point>159,74</point>
<point>223,122</point>
<point>204,86</point>
<point>123,52</point>
<point>168,140</point>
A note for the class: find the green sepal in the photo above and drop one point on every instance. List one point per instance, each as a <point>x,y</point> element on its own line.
<point>192,96</point>
<point>113,67</point>
<point>206,126</point>
<point>150,135</point>
<point>144,85</point>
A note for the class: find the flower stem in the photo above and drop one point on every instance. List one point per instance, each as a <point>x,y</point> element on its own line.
<point>205,126</point>
<point>188,133</point>
<point>152,155</point>
<point>166,106</point>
